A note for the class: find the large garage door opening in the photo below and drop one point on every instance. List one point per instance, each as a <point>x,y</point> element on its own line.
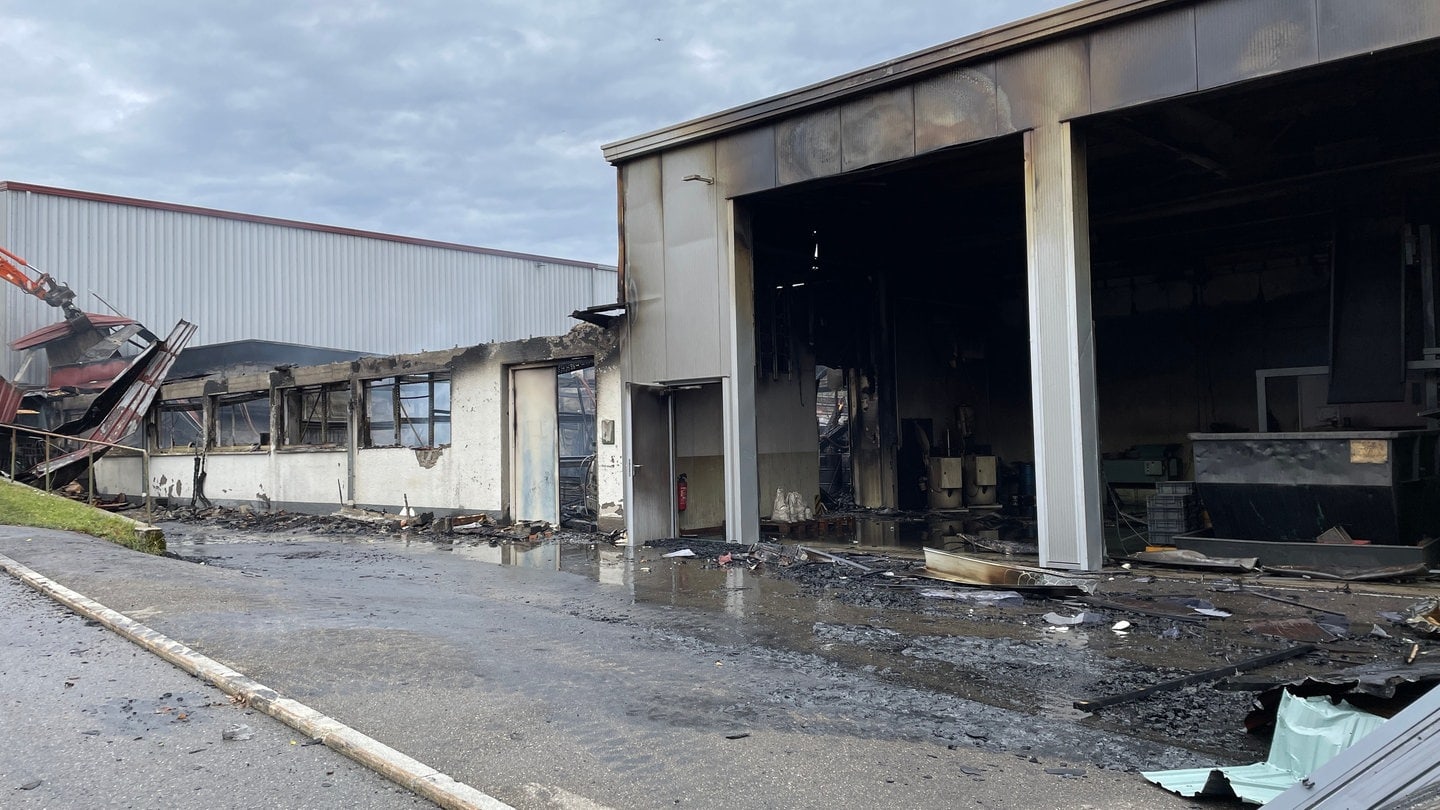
<point>1264,277</point>
<point>892,335</point>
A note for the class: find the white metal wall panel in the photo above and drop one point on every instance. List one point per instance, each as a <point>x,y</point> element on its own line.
<point>239,280</point>
<point>694,281</point>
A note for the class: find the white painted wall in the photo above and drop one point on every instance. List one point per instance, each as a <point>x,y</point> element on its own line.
<point>610,468</point>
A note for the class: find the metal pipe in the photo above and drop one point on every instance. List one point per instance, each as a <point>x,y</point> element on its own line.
<point>144,456</point>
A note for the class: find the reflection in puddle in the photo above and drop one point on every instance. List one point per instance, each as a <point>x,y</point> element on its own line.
<point>950,531</point>
<point>539,556</point>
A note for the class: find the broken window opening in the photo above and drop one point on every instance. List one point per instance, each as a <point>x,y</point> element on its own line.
<point>316,416</point>
<point>242,421</point>
<point>832,416</point>
<point>408,411</point>
<point>180,424</point>
<point>575,406</point>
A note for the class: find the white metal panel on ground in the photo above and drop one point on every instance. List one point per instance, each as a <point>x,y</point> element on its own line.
<point>241,277</point>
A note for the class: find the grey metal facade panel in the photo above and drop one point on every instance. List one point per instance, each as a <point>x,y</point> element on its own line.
<point>239,279</point>
<point>645,349</point>
<point>1351,27</point>
<point>1237,40</point>
<point>694,281</point>
<point>808,146</point>
<point>1041,85</point>
<point>745,161</point>
<point>958,106</point>
<point>877,128</point>
<point>1148,58</point>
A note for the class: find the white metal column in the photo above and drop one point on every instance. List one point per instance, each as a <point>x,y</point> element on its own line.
<point>742,463</point>
<point>1062,349</point>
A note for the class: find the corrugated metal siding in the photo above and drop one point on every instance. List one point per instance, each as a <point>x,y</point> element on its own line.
<point>243,280</point>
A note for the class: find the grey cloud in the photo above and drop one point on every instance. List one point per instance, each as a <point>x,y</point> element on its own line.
<point>469,122</point>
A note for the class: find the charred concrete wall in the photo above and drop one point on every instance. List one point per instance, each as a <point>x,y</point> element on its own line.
<point>467,472</point>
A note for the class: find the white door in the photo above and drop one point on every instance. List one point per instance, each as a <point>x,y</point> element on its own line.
<point>535,453</point>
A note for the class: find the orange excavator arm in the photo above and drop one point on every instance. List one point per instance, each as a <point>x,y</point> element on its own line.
<point>17,271</point>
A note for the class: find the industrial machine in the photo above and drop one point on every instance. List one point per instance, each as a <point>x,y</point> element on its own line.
<point>982,479</point>
<point>946,481</point>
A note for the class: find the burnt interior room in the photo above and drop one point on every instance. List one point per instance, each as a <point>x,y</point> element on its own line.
<point>909,281</point>
<point>1276,226</point>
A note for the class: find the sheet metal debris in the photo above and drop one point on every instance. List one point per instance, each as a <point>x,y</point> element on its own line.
<point>1350,574</point>
<point>1002,598</point>
<point>1292,629</point>
<point>1395,766</point>
<point>1424,617</point>
<point>1380,680</point>
<point>117,411</point>
<point>1309,732</point>
<point>1083,617</point>
<point>973,571</point>
<point>825,556</point>
<point>1189,558</point>
<point>1140,608</point>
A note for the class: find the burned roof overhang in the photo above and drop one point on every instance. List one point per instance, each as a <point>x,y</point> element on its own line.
<point>602,315</point>
<point>1075,62</point>
<point>1028,32</point>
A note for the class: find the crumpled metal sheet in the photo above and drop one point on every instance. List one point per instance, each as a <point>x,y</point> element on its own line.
<point>1424,617</point>
<point>1309,732</point>
<point>1380,680</point>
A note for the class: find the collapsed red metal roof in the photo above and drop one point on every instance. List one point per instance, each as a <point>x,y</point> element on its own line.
<point>55,331</point>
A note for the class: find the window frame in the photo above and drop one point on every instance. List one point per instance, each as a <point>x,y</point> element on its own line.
<point>436,422</point>
<point>197,405</point>
<point>296,396</point>
<point>220,402</point>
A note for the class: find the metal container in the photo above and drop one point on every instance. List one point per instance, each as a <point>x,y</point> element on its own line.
<point>1380,486</point>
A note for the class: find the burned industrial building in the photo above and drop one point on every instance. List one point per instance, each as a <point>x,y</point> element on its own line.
<point>507,429</point>
<point>1102,242</point>
<point>1039,271</point>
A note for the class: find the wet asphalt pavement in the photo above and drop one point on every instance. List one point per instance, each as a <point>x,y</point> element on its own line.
<point>91,720</point>
<point>622,687</point>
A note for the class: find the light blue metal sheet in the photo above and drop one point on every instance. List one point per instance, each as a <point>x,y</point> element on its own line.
<point>1394,764</point>
<point>1308,733</point>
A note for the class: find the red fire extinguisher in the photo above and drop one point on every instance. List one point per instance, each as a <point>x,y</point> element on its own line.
<point>682,492</point>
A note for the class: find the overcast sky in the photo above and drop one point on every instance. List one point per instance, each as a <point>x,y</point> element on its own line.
<point>471,122</point>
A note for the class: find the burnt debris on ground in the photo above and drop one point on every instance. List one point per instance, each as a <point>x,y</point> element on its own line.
<point>1035,653</point>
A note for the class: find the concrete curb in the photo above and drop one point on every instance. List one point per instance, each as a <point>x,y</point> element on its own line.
<point>409,773</point>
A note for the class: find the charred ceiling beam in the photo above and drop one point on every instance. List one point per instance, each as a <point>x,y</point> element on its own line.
<point>1306,185</point>
<point>1188,155</point>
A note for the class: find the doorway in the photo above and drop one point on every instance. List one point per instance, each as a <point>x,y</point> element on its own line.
<point>552,444</point>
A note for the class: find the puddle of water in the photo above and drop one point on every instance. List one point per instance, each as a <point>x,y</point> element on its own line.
<point>944,531</point>
<point>539,556</point>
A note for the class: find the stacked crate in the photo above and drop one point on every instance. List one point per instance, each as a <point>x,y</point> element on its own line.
<point>1172,510</point>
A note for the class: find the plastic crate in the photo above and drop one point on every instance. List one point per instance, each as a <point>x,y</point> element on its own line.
<point>1174,487</point>
<point>1166,525</point>
<point>1162,538</point>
